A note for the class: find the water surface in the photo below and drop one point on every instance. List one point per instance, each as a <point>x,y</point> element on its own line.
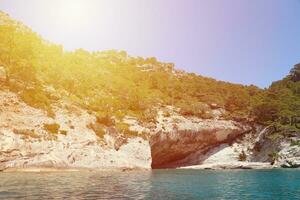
<point>156,184</point>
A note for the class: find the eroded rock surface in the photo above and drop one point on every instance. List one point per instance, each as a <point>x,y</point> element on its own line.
<point>25,143</point>
<point>188,140</point>
<point>172,141</point>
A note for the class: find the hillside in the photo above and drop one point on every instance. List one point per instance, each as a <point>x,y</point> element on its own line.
<point>124,102</point>
<point>109,82</point>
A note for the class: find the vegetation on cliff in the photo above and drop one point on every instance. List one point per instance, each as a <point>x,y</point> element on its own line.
<point>112,84</point>
<point>280,103</point>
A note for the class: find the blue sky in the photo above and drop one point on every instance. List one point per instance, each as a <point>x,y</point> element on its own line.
<point>241,41</point>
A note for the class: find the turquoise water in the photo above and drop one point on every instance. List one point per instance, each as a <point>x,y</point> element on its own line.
<point>157,184</point>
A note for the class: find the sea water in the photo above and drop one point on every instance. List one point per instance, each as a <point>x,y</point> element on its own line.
<point>155,184</point>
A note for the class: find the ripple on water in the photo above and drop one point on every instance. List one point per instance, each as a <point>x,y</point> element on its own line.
<point>156,184</point>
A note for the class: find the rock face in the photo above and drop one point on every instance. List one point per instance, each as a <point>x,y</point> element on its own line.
<point>25,143</point>
<point>289,157</point>
<point>174,141</point>
<point>187,143</point>
<point>282,150</point>
<point>17,152</point>
<point>238,154</point>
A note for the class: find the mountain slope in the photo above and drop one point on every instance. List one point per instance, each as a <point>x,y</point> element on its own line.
<point>108,109</point>
<point>111,83</point>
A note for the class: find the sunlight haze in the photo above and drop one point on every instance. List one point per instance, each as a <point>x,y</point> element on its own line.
<point>248,42</point>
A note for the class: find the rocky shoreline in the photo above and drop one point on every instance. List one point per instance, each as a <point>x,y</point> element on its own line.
<point>233,165</point>
<point>215,166</point>
<point>174,141</point>
<point>49,169</point>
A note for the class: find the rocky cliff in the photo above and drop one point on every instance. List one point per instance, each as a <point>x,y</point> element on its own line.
<point>26,141</point>
<point>107,109</point>
<point>184,141</point>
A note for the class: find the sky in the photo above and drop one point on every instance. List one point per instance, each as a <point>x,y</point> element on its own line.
<point>240,41</point>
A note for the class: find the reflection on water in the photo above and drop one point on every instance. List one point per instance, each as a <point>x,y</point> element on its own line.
<point>157,184</point>
<point>75,185</point>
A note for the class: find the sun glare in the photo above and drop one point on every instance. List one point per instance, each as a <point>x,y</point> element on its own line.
<point>74,12</point>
